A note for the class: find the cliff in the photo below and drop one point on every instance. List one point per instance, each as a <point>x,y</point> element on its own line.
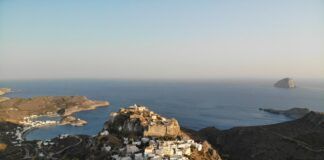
<point>285,83</point>
<point>140,121</point>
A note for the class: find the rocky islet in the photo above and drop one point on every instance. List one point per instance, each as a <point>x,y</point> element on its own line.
<point>285,83</point>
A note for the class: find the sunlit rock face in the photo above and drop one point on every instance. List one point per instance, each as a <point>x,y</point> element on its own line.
<point>140,121</point>
<point>285,83</point>
<point>4,91</point>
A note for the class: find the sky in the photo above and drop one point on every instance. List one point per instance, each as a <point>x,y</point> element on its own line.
<point>161,39</point>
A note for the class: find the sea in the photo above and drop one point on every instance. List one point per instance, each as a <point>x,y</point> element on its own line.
<point>195,104</point>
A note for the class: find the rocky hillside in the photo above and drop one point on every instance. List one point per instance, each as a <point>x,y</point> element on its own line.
<point>16,109</point>
<point>301,139</point>
<point>131,133</point>
<point>293,113</point>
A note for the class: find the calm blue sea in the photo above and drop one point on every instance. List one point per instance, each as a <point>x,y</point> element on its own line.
<point>223,104</point>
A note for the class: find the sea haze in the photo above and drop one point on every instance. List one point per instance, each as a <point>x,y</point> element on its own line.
<point>223,104</point>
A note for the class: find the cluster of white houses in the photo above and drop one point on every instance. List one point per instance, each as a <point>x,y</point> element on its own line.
<point>156,149</point>
<point>28,123</point>
<point>17,135</point>
<point>151,147</point>
<point>177,149</point>
<point>31,122</point>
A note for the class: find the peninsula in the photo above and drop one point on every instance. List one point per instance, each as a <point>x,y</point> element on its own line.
<point>293,113</point>
<point>18,110</point>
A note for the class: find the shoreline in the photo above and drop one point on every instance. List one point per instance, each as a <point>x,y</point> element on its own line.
<point>27,126</point>
<point>29,129</point>
<point>91,107</point>
<point>29,114</point>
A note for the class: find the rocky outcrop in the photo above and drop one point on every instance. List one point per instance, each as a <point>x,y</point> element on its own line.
<point>71,120</point>
<point>293,113</point>
<point>285,83</point>
<point>148,135</point>
<point>4,91</point>
<point>300,139</point>
<point>140,121</point>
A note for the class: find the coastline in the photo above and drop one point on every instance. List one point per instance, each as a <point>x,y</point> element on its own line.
<point>91,107</point>
<point>58,123</point>
<point>26,113</point>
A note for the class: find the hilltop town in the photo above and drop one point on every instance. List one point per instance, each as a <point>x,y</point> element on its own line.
<point>148,135</point>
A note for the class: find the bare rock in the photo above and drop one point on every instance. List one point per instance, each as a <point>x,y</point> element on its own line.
<point>140,121</point>
<point>285,83</point>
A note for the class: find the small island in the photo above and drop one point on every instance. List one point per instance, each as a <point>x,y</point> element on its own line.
<point>285,83</point>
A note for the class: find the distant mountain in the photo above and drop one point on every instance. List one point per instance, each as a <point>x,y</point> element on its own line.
<point>300,139</point>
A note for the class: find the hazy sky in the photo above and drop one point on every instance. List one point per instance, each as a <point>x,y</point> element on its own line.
<point>161,39</point>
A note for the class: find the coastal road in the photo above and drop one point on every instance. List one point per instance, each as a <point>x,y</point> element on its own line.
<point>27,153</point>
<point>70,146</point>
